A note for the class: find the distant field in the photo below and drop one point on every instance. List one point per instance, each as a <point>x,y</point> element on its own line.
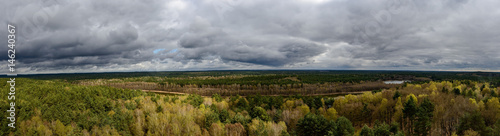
<point>229,83</point>
<point>307,76</point>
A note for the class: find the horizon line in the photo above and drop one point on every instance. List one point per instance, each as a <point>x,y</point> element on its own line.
<point>49,73</point>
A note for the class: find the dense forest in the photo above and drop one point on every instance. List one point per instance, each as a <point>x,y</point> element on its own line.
<point>307,76</point>
<point>71,107</point>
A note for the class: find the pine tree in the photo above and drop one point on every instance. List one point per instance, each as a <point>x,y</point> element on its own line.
<point>409,111</point>
<point>366,131</point>
<point>444,90</point>
<point>314,125</point>
<point>424,117</point>
<point>396,95</point>
<point>381,129</point>
<point>259,112</point>
<point>344,127</point>
<point>472,121</point>
<point>456,91</point>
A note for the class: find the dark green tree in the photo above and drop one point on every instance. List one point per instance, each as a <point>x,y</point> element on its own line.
<point>329,102</point>
<point>238,118</point>
<point>314,125</point>
<point>159,108</point>
<point>394,127</point>
<point>488,132</point>
<point>409,110</point>
<point>456,91</point>
<point>366,131</point>
<point>313,102</point>
<point>277,115</point>
<point>166,99</point>
<point>396,95</point>
<point>259,112</point>
<point>424,118</point>
<point>464,92</point>
<point>493,93</point>
<point>496,128</point>
<point>444,90</point>
<point>242,104</point>
<point>472,121</point>
<point>470,93</point>
<point>210,118</point>
<point>381,129</point>
<point>223,115</point>
<point>366,113</point>
<point>217,97</point>
<point>195,100</point>
<point>275,102</point>
<point>344,127</point>
<point>174,98</point>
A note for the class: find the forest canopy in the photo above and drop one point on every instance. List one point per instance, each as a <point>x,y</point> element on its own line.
<point>59,107</point>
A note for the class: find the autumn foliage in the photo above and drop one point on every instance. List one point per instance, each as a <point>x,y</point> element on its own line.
<point>54,107</point>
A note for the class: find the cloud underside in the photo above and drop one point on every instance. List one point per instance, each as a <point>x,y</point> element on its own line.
<point>127,35</point>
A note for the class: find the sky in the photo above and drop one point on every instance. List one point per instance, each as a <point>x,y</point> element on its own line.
<point>58,36</point>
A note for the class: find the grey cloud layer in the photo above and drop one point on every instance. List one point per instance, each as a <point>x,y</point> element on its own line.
<point>65,36</point>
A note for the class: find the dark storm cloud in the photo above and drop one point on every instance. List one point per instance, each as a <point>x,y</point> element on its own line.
<point>62,36</point>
